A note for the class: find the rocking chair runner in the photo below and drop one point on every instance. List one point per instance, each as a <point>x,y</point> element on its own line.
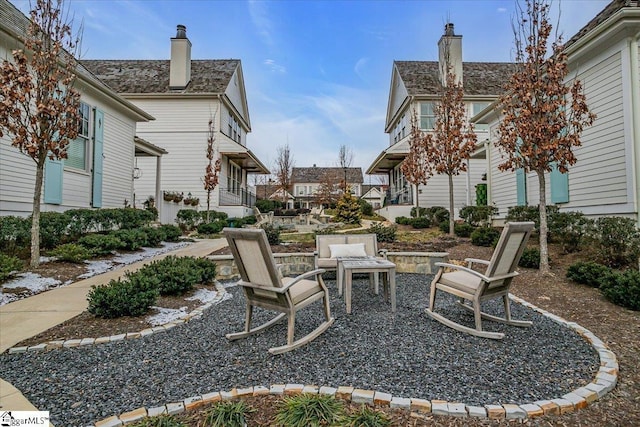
<point>471,285</point>
<point>264,287</point>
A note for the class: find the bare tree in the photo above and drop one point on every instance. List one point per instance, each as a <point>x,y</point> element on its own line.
<point>453,140</point>
<point>328,190</point>
<point>284,168</point>
<point>345,157</point>
<point>543,117</point>
<point>416,167</point>
<point>39,107</point>
<point>212,171</point>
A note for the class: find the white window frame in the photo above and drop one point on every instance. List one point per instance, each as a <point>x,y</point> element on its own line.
<point>429,117</point>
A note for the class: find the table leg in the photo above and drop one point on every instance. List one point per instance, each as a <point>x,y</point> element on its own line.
<point>347,289</point>
<point>340,277</point>
<point>392,279</point>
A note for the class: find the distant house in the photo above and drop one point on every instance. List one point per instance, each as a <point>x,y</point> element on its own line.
<point>374,195</point>
<point>415,87</point>
<point>312,185</point>
<point>604,56</point>
<point>100,165</point>
<point>184,94</point>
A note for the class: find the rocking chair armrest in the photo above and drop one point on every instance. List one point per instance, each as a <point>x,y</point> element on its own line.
<point>477,261</point>
<point>262,287</point>
<point>475,273</point>
<point>303,276</point>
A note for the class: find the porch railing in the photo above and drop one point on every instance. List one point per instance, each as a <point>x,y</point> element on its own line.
<point>403,196</point>
<point>237,197</point>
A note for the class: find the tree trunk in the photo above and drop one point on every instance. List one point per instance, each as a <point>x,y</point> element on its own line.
<point>208,204</point>
<point>417,202</point>
<point>544,249</point>
<point>35,214</point>
<point>451,219</point>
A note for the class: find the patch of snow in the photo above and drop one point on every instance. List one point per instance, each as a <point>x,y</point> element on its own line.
<point>203,295</point>
<point>230,284</point>
<point>166,315</point>
<point>33,282</point>
<point>44,259</point>
<point>96,267</point>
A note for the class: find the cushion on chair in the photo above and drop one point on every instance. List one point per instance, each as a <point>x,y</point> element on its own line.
<point>303,289</point>
<point>350,250</point>
<point>327,263</point>
<point>461,280</point>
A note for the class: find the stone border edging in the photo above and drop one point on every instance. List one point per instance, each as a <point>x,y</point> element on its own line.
<point>196,313</point>
<point>604,381</point>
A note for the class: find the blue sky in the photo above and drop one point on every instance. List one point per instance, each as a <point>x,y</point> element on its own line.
<point>317,73</point>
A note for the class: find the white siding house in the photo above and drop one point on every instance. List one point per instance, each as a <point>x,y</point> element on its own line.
<point>98,170</point>
<point>415,87</point>
<point>183,95</point>
<point>307,182</point>
<point>606,178</point>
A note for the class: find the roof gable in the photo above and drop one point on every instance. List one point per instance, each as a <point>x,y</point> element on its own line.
<point>208,76</point>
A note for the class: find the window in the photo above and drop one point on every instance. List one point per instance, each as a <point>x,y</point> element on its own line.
<point>234,178</point>
<point>234,131</point>
<point>477,107</point>
<point>427,116</point>
<point>399,130</point>
<point>77,149</point>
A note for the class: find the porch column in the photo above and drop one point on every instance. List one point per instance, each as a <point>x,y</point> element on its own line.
<point>158,189</point>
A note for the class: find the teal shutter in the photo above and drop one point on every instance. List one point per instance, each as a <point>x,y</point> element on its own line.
<point>53,172</point>
<point>98,146</point>
<point>521,187</point>
<point>559,185</point>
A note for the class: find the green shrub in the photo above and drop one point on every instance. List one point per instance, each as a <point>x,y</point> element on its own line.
<point>444,226</point>
<point>622,289</point>
<point>71,252</point>
<point>250,219</point>
<point>485,236</point>
<point>478,215</point>
<point>213,215</point>
<point>131,218</point>
<point>234,222</point>
<point>8,266</point>
<point>53,229</point>
<point>265,205</point>
<point>366,417</point>
<point>383,233</point>
<point>529,213</point>
<point>188,219</point>
<point>403,220</point>
<point>273,233</point>
<point>437,214</point>
<point>159,421</point>
<point>418,212</point>
<point>132,239</point>
<point>615,241</point>
<point>228,414</point>
<point>365,207</point>
<point>101,244</point>
<point>208,269</point>
<point>463,229</point>
<point>420,222</point>
<point>530,258</point>
<point>131,296</point>
<point>212,227</point>
<point>171,232</point>
<point>15,233</point>
<point>306,410</point>
<point>587,273</point>
<point>175,275</point>
<point>154,236</point>
<point>348,209</point>
<point>569,229</point>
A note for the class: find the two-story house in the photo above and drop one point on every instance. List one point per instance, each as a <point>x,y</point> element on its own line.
<point>415,87</point>
<point>184,95</point>
<point>605,56</point>
<point>316,185</point>
<point>98,171</point>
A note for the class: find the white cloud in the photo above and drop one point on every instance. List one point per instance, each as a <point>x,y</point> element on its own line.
<point>260,18</point>
<point>273,66</point>
<point>359,67</point>
<point>502,9</point>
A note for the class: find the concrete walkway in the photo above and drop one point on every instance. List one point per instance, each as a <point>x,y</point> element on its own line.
<point>25,318</point>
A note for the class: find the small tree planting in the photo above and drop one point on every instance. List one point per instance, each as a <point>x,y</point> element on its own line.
<point>416,167</point>
<point>284,168</point>
<point>543,116</point>
<point>38,103</point>
<point>213,167</point>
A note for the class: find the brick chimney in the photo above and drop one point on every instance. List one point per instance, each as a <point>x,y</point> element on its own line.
<point>180,67</point>
<point>450,52</point>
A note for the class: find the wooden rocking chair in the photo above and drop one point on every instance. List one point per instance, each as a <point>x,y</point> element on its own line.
<point>476,287</point>
<point>264,287</point>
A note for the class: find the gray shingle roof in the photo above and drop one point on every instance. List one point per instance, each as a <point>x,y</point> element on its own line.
<point>479,78</point>
<point>152,76</point>
<point>316,174</point>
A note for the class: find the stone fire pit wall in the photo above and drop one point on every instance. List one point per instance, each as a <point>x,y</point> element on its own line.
<point>297,263</point>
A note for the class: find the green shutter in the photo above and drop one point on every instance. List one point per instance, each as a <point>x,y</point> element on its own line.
<point>521,187</point>
<point>559,185</point>
<point>53,173</point>
<point>98,138</point>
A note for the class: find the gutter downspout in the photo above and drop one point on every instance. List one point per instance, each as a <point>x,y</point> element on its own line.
<point>635,114</point>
